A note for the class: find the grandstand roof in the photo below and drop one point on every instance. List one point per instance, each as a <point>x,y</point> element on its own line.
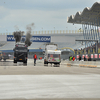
<point>87,16</point>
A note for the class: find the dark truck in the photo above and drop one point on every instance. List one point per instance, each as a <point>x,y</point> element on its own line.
<point>20,53</point>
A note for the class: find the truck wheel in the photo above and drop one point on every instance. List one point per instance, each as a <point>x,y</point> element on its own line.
<point>4,59</point>
<point>15,61</point>
<point>44,62</point>
<point>25,61</point>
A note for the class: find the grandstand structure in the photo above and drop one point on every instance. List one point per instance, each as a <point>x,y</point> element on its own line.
<point>89,18</point>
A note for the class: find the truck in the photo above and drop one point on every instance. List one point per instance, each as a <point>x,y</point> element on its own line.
<point>3,56</point>
<point>52,55</point>
<point>20,53</point>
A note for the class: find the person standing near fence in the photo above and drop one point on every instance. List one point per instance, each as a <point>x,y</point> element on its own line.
<point>79,58</point>
<point>84,58</point>
<point>70,58</point>
<point>89,58</point>
<point>73,58</point>
<point>35,58</point>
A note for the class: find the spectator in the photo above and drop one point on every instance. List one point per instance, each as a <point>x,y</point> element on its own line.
<point>79,58</point>
<point>84,58</point>
<point>70,58</point>
<point>89,58</point>
<point>73,58</point>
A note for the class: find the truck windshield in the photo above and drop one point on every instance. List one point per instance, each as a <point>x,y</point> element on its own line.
<point>21,49</point>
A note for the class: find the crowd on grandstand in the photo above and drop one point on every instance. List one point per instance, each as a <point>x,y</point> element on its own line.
<point>88,50</point>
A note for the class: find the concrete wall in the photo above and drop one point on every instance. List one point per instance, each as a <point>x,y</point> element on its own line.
<point>61,39</point>
<point>3,38</point>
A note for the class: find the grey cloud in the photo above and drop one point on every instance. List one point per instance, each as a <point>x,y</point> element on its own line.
<point>47,4</point>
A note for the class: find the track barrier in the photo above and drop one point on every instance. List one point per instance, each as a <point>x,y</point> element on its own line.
<point>91,64</point>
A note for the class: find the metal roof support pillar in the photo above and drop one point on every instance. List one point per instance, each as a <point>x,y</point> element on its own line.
<point>95,28</point>
<point>95,35</point>
<point>85,37</point>
<point>88,34</point>
<point>91,32</point>
<point>86,31</point>
<point>97,46</point>
<point>98,23</point>
<point>83,30</point>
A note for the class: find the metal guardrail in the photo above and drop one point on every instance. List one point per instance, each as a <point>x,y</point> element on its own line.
<point>49,32</point>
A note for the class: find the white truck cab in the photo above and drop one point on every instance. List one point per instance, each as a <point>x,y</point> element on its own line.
<point>52,55</point>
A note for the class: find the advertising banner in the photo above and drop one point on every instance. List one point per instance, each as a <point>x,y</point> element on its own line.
<point>10,38</point>
<point>96,56</point>
<point>41,39</point>
<point>77,56</point>
<point>86,56</point>
<point>33,38</point>
<point>91,55</point>
<point>83,56</point>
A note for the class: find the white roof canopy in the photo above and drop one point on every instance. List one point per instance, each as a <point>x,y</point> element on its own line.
<point>87,16</point>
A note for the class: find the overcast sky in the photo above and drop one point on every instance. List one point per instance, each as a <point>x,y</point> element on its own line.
<point>45,14</point>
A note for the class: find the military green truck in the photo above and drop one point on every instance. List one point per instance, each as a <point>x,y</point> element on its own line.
<point>20,53</point>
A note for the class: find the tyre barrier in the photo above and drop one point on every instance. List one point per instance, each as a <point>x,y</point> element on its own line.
<point>87,66</point>
<point>91,64</point>
<point>69,65</point>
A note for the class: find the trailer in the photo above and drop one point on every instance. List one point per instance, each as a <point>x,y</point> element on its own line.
<point>3,56</point>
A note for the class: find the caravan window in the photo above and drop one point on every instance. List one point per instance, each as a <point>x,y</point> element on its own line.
<point>54,55</point>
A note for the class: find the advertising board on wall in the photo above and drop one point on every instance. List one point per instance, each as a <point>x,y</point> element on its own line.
<point>10,38</point>
<point>41,39</point>
<point>33,38</point>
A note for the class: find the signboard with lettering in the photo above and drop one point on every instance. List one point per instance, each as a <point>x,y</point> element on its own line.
<point>33,38</point>
<point>10,38</point>
<point>41,39</point>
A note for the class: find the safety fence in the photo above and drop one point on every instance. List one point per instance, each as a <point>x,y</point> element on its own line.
<point>87,51</point>
<point>49,32</point>
<point>93,57</point>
